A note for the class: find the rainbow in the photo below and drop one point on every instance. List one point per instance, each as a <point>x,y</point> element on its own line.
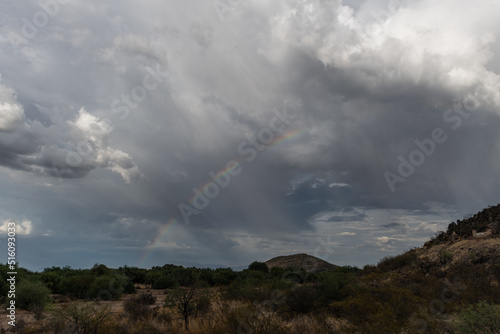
<point>218,176</point>
<point>222,173</point>
<point>161,234</point>
<point>286,136</point>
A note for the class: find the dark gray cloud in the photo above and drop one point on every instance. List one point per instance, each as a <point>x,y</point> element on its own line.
<point>360,128</point>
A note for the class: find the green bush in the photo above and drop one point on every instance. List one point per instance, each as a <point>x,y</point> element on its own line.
<point>165,282</point>
<point>186,277</point>
<point>238,290</point>
<point>277,272</point>
<point>220,279</point>
<point>223,276</point>
<point>389,263</point>
<point>445,256</point>
<point>481,318</point>
<point>259,266</point>
<point>330,286</point>
<point>256,277</point>
<point>52,281</point>
<point>296,275</point>
<point>100,270</point>
<point>366,314</point>
<point>107,287</point>
<point>301,299</point>
<point>32,295</point>
<point>77,286</point>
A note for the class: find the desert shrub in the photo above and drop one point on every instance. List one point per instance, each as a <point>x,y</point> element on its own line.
<point>445,256</point>
<point>384,308</point>
<point>255,277</point>
<point>188,302</point>
<point>301,299</point>
<point>203,304</point>
<point>206,275</point>
<point>245,290</point>
<point>477,281</point>
<point>276,272</point>
<point>32,295</point>
<point>145,327</point>
<point>129,288</point>
<point>259,266</point>
<point>151,277</point>
<point>400,302</point>
<point>439,238</point>
<point>385,263</point>
<point>366,314</point>
<point>481,318</point>
<point>107,287</point>
<point>185,276</point>
<point>165,282</point>
<point>356,308</point>
<point>272,287</point>
<point>138,306</point>
<point>82,318</point>
<point>100,270</point>
<point>245,319</point>
<point>418,284</point>
<point>331,286</point>
<point>220,279</point>
<point>389,263</point>
<point>347,269</point>
<point>77,286</point>
<point>296,275</point>
<point>136,275</point>
<point>496,229</point>
<point>232,320</point>
<point>52,281</point>
<point>146,298</point>
<point>268,323</point>
<point>369,268</point>
<point>223,276</point>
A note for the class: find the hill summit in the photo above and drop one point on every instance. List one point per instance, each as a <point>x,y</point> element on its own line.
<point>308,262</point>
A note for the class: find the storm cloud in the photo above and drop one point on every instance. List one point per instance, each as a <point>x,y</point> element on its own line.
<point>219,133</point>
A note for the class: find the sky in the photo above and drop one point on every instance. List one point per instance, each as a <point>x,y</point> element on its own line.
<point>217,133</point>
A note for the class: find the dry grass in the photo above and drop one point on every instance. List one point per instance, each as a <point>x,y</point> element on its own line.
<point>463,250</point>
<point>224,317</point>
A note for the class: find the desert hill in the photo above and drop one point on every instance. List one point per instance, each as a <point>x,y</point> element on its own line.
<point>308,262</point>
<point>485,222</point>
<point>468,247</point>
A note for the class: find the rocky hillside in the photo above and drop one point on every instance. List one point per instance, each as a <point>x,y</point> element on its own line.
<point>485,221</point>
<point>483,252</point>
<point>469,246</point>
<point>308,262</point>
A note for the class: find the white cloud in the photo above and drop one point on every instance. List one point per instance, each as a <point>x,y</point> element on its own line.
<point>95,133</point>
<point>92,128</point>
<point>423,42</point>
<point>119,162</point>
<point>11,112</point>
<point>23,228</point>
<point>335,184</point>
<point>346,234</point>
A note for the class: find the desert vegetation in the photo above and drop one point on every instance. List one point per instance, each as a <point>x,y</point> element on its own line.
<point>444,287</point>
